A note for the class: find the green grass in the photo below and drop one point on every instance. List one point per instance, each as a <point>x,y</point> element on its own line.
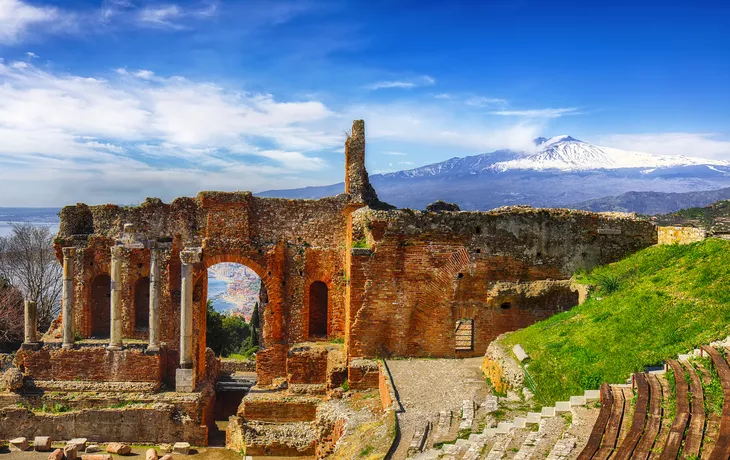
<point>654,304</point>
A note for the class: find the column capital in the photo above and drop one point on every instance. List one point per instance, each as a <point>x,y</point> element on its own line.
<point>117,251</point>
<point>69,252</point>
<point>191,255</point>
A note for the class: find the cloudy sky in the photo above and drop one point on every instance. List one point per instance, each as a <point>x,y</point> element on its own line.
<point>116,100</point>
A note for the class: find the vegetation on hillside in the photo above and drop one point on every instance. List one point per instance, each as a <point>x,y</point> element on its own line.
<point>714,217</point>
<point>655,304</point>
<point>229,335</point>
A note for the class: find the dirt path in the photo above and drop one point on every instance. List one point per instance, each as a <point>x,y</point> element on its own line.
<point>427,386</point>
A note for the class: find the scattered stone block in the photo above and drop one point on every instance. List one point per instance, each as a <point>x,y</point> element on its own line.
<point>119,448</point>
<point>520,353</point>
<point>80,443</point>
<point>181,448</point>
<point>166,448</point>
<point>92,448</point>
<point>56,455</point>
<point>71,452</point>
<point>42,444</point>
<point>96,457</point>
<point>18,444</point>
<point>151,454</point>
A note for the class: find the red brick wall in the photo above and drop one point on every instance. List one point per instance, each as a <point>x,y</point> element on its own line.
<point>92,363</point>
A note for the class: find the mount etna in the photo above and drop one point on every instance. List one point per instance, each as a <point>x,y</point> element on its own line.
<point>561,172</point>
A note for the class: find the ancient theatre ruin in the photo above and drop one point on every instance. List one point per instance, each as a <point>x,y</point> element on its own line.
<point>346,280</point>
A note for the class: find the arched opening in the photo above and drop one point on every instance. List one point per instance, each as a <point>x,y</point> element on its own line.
<point>101,292</point>
<point>142,303</point>
<point>233,298</point>
<point>318,300</point>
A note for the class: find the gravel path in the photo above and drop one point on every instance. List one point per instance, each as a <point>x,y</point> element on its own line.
<point>427,386</point>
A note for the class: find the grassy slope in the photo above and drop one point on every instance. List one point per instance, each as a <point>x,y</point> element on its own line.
<point>669,299</point>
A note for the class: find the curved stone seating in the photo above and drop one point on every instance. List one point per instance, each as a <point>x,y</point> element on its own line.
<point>676,433</point>
<point>712,430</point>
<point>629,443</point>
<point>693,439</point>
<point>723,371</point>
<point>610,436</point>
<point>594,440</point>
<point>653,419</point>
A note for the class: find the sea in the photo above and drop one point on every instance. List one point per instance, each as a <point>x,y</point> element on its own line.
<point>49,217</point>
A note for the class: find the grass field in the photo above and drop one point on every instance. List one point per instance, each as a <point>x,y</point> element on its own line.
<point>655,304</point>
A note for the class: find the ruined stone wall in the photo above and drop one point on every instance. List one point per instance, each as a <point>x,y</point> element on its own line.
<point>92,363</point>
<point>503,269</point>
<point>680,235</point>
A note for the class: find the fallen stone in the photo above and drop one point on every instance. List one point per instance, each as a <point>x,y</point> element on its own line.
<point>18,445</point>
<point>181,448</point>
<point>166,457</point>
<point>96,457</point>
<point>13,379</point>
<point>166,448</point>
<point>92,448</point>
<point>80,443</point>
<point>56,455</point>
<point>71,452</point>
<point>151,454</point>
<point>42,444</point>
<point>119,448</point>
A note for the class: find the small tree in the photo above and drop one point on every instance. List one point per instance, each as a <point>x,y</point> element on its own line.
<point>255,325</point>
<point>11,316</point>
<point>28,262</point>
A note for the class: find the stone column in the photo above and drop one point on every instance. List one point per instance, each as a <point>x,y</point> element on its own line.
<point>154,338</point>
<point>184,375</point>
<point>115,329</point>
<point>31,323</point>
<point>67,297</point>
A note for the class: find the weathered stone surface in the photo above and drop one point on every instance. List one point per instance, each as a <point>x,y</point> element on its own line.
<point>96,457</point>
<point>80,443</point>
<point>13,379</point>
<point>118,448</point>
<point>56,455</point>
<point>92,448</point>
<point>181,448</point>
<point>166,448</point>
<point>151,454</point>
<point>441,206</point>
<point>166,457</point>
<point>71,451</point>
<point>42,444</point>
<point>18,444</point>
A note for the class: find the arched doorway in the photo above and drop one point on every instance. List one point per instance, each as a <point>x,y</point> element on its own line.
<point>142,303</point>
<point>100,306</point>
<point>318,303</point>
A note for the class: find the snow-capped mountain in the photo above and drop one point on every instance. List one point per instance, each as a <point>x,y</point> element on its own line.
<point>560,171</point>
<point>560,153</point>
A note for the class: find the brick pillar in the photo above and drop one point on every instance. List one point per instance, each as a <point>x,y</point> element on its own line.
<point>184,375</point>
<point>115,330</point>
<point>67,297</point>
<point>31,323</point>
<point>154,334</point>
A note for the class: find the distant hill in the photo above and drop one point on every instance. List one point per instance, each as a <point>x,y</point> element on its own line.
<point>714,218</point>
<point>651,203</point>
<point>562,172</point>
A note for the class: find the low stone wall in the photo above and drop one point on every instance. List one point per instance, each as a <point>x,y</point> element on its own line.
<point>280,410</point>
<point>94,363</point>
<point>157,424</point>
<point>680,235</point>
<point>501,368</point>
<point>231,366</point>
<point>363,374</point>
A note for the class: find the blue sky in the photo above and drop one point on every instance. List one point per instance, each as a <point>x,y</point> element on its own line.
<point>116,100</point>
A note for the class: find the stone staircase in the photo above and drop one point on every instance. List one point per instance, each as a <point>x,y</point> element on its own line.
<point>519,439</point>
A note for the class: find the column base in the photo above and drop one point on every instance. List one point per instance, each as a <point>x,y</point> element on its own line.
<point>184,381</point>
<point>68,346</point>
<point>31,346</point>
<point>114,348</point>
<point>152,350</point>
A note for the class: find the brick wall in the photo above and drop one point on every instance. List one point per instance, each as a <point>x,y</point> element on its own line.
<point>680,235</point>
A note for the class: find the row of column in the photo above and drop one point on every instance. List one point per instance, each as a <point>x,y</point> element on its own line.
<point>115,330</point>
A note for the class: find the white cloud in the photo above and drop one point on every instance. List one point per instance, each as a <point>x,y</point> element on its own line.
<point>395,154</point>
<point>481,101</point>
<point>538,113</point>
<point>171,15</point>
<point>87,128</point>
<point>17,17</point>
<point>423,80</point>
<point>703,145</point>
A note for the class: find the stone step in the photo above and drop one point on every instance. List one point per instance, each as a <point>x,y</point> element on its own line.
<point>419,438</point>
<point>534,417</point>
<point>504,427</point>
<point>444,425</point>
<point>519,422</point>
<point>547,412</point>
<point>577,400</point>
<point>467,415</point>
<point>528,445</point>
<point>562,449</point>
<point>562,407</point>
<point>499,445</point>
<point>592,395</point>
